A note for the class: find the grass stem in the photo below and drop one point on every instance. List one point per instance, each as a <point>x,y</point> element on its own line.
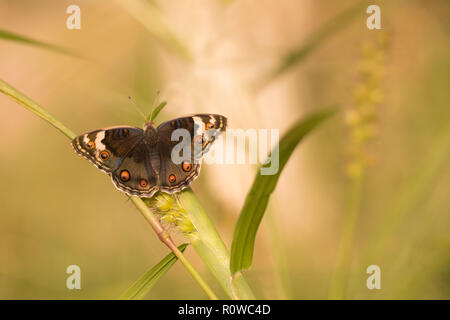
<point>211,248</point>
<point>165,238</point>
<point>344,256</point>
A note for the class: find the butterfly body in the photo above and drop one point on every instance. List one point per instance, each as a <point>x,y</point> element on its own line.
<point>140,161</point>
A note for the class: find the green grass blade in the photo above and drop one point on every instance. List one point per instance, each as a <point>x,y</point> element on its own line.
<point>144,284</point>
<point>211,248</point>
<point>413,191</point>
<point>29,104</point>
<point>263,186</point>
<point>153,19</point>
<point>314,41</point>
<point>157,110</point>
<point>6,35</point>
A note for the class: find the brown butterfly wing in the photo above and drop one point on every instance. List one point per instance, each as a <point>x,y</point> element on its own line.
<point>106,148</point>
<point>135,175</point>
<point>118,151</point>
<point>202,130</point>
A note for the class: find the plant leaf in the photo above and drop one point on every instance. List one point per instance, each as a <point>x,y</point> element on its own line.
<point>211,248</point>
<point>257,199</point>
<point>29,104</point>
<point>143,285</point>
<point>18,38</point>
<point>157,110</point>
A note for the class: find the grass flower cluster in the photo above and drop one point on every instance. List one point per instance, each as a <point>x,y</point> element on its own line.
<point>361,119</point>
<point>361,116</point>
<point>171,212</point>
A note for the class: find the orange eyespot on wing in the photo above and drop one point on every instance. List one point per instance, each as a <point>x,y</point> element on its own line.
<point>143,183</point>
<point>124,175</point>
<point>209,125</point>
<point>186,166</point>
<point>172,178</point>
<point>90,145</point>
<point>104,155</point>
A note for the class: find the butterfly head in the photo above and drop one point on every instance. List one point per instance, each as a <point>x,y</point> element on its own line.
<point>150,132</point>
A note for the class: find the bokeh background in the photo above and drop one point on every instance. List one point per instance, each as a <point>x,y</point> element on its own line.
<point>392,136</point>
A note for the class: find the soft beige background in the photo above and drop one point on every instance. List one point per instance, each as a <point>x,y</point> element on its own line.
<point>56,209</point>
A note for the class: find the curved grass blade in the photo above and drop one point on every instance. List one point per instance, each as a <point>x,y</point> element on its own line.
<point>143,285</point>
<point>413,191</point>
<point>18,38</point>
<point>29,104</point>
<point>211,248</point>
<point>157,110</point>
<point>314,41</point>
<point>157,25</point>
<point>257,199</point>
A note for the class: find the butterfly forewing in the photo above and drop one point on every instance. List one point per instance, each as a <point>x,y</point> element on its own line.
<point>106,148</point>
<point>119,151</point>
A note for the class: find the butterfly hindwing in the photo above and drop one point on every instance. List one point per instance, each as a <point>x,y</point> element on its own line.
<point>136,175</point>
<point>175,176</point>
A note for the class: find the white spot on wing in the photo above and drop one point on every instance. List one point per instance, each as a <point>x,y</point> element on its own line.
<point>98,141</point>
<point>199,126</point>
<point>85,139</point>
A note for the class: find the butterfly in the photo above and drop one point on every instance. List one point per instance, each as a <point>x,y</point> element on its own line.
<point>141,161</point>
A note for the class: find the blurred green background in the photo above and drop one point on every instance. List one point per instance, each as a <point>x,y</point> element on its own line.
<point>211,56</point>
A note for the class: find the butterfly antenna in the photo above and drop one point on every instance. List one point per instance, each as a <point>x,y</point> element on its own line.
<point>137,108</point>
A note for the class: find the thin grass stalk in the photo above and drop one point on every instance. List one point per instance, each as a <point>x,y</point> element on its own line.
<point>35,108</point>
<point>362,125</point>
<point>410,194</point>
<point>211,248</point>
<point>157,25</point>
<point>279,249</point>
<point>164,236</point>
<point>314,41</point>
<point>341,270</point>
<point>6,35</point>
